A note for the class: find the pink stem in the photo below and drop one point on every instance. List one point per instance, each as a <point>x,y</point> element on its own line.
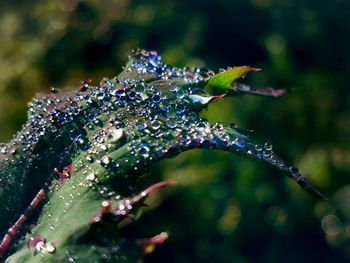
<point>11,232</point>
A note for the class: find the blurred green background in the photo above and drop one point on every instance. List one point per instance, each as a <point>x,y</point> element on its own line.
<point>225,208</point>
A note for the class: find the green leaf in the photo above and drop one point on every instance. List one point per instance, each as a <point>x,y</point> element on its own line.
<point>223,81</point>
<point>87,149</point>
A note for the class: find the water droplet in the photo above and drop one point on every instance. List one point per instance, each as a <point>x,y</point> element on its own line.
<point>103,147</point>
<point>201,100</point>
<point>132,95</point>
<point>155,125</point>
<point>50,247</point>
<point>98,122</point>
<point>143,96</point>
<point>116,134</point>
<point>55,90</point>
<point>141,125</point>
<point>91,177</point>
<point>164,105</point>
<point>258,148</point>
<point>156,98</point>
<point>3,150</point>
<point>171,123</point>
<point>180,109</point>
<point>105,160</point>
<point>144,151</point>
<point>294,170</point>
<point>268,146</point>
<point>239,144</point>
<point>171,113</point>
<point>89,158</point>
<point>40,246</point>
<point>119,93</point>
<point>101,95</point>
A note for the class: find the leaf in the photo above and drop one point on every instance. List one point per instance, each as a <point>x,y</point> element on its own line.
<point>223,81</point>
<point>86,150</point>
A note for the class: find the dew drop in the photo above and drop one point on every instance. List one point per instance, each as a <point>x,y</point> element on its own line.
<point>156,98</point>
<point>3,150</point>
<point>268,146</point>
<point>144,151</point>
<point>202,100</point>
<point>120,93</point>
<point>258,148</point>
<point>294,170</point>
<point>164,105</point>
<point>239,144</point>
<point>180,109</point>
<point>155,125</point>
<point>101,95</point>
<point>91,177</point>
<point>180,94</point>
<point>50,247</point>
<point>171,123</point>
<point>89,158</point>
<point>116,135</point>
<point>141,125</point>
<point>105,160</point>
<point>55,90</point>
<point>40,246</point>
<point>171,114</point>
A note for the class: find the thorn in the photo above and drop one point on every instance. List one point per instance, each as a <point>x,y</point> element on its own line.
<point>65,174</point>
<point>124,207</point>
<point>307,186</point>
<point>255,69</point>
<point>278,92</point>
<point>105,207</point>
<point>243,88</point>
<point>218,97</point>
<point>152,189</point>
<point>148,244</point>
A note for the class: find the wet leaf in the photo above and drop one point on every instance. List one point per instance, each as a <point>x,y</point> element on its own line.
<point>85,150</point>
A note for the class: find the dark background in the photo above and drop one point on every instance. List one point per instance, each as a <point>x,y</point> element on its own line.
<point>225,208</point>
